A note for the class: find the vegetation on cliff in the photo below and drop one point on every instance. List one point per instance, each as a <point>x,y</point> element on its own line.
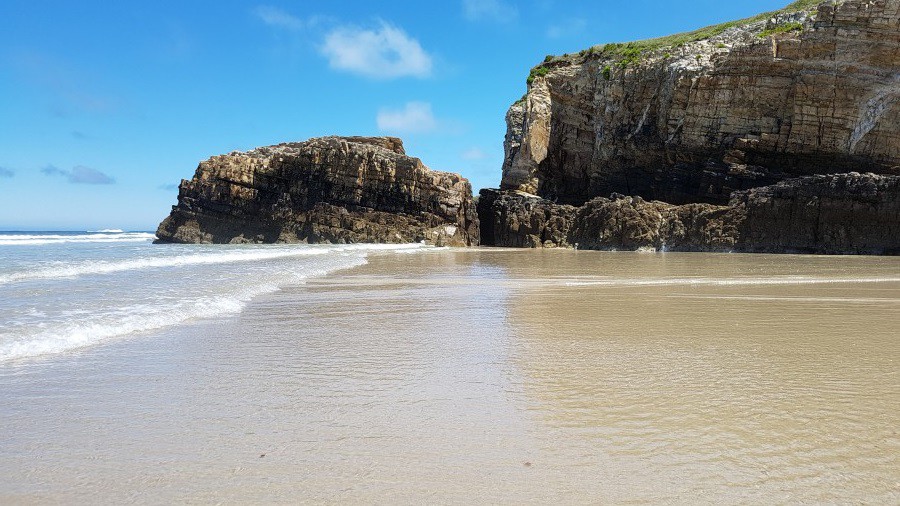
<point>628,53</point>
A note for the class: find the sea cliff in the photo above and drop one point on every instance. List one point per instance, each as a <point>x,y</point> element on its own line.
<point>329,189</point>
<point>703,119</point>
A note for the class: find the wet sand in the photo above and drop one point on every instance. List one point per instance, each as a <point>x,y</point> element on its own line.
<point>489,376</point>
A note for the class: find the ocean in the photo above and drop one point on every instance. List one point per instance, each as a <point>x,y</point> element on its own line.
<point>64,291</point>
<point>140,373</point>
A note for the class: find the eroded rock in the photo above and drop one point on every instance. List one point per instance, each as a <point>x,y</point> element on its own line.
<point>827,214</point>
<point>329,189</point>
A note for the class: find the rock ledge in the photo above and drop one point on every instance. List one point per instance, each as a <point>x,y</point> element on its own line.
<point>826,214</point>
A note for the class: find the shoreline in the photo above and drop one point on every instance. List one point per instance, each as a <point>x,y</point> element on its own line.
<point>487,375</point>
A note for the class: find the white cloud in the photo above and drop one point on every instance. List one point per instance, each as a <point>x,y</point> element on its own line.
<point>473,154</point>
<point>384,53</point>
<point>274,16</point>
<point>415,117</point>
<point>489,10</point>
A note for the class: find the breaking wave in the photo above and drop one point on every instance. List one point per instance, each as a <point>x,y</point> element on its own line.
<point>53,270</point>
<point>103,236</point>
<point>55,307</point>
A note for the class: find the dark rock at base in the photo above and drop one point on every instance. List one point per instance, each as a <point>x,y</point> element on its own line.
<point>630,223</point>
<point>519,220</point>
<point>834,214</point>
<point>329,189</point>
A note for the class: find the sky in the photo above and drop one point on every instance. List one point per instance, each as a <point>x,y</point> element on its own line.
<point>106,106</point>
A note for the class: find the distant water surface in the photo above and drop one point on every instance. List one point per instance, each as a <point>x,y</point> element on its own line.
<point>465,377</point>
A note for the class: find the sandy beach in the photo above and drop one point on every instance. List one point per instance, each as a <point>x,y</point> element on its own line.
<point>487,376</point>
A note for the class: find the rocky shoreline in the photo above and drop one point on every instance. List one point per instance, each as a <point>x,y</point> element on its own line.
<point>827,214</point>
<point>747,136</point>
<point>779,133</point>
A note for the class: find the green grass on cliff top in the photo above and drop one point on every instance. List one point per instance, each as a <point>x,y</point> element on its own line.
<point>712,31</point>
<point>631,51</point>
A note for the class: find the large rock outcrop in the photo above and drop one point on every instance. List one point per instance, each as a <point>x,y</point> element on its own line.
<point>812,89</point>
<point>747,136</point>
<point>843,213</point>
<point>829,214</point>
<point>329,189</point>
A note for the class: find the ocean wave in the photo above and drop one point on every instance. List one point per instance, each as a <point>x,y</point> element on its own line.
<point>216,288</point>
<point>41,239</point>
<point>115,322</point>
<point>54,270</point>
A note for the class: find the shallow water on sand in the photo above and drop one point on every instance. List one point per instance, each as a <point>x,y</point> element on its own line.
<point>488,376</point>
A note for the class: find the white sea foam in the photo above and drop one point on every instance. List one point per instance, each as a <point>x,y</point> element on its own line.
<point>110,323</point>
<point>75,304</point>
<point>101,237</point>
<point>53,270</point>
<point>108,231</point>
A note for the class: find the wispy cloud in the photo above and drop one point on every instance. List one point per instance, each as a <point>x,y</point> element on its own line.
<point>86,175</point>
<point>71,89</point>
<point>489,10</point>
<point>386,52</point>
<point>273,16</point>
<point>566,28</point>
<point>4,172</point>
<point>415,117</point>
<point>79,175</point>
<point>473,154</point>
<point>79,135</point>
<point>52,170</point>
<point>175,43</point>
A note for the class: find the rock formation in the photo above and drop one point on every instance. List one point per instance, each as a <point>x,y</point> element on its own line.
<point>329,189</point>
<point>727,132</point>
<point>693,117</point>
<point>844,213</point>
<point>831,214</point>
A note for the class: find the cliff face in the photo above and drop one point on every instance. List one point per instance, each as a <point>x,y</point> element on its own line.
<point>832,214</point>
<point>330,189</point>
<point>684,120</point>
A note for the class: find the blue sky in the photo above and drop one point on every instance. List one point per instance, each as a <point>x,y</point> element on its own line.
<point>106,106</point>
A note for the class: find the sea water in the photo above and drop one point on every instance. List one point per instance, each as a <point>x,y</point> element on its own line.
<point>448,376</point>
<point>65,291</point>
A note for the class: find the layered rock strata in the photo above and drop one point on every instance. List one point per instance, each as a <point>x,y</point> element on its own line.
<point>827,214</point>
<point>329,189</point>
<point>689,119</point>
